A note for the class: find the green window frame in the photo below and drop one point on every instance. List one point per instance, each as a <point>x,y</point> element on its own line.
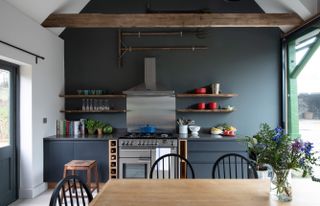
<point>300,46</point>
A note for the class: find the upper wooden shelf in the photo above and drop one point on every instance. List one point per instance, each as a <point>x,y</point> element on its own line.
<point>105,111</point>
<point>206,95</point>
<point>102,96</point>
<point>206,110</point>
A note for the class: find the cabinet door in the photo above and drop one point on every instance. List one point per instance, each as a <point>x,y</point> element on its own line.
<point>201,171</point>
<point>56,155</point>
<point>203,154</point>
<point>94,150</point>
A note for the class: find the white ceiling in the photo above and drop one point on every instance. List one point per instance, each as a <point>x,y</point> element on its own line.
<point>39,10</point>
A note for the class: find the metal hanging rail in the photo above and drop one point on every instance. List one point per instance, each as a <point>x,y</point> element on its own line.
<point>131,49</point>
<point>123,48</point>
<point>25,51</point>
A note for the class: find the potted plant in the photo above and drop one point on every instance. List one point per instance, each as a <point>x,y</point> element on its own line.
<point>91,126</point>
<point>107,129</point>
<point>273,147</point>
<point>100,125</point>
<point>254,150</point>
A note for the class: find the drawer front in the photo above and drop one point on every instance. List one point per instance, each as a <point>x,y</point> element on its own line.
<point>201,171</point>
<point>228,146</point>
<point>208,157</point>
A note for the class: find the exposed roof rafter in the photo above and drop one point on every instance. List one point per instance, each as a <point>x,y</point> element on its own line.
<point>140,20</point>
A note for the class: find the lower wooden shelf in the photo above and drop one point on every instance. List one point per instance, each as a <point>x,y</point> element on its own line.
<point>106,111</point>
<point>206,110</point>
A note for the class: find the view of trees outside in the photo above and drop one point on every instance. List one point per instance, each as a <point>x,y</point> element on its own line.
<point>309,101</point>
<point>4,108</point>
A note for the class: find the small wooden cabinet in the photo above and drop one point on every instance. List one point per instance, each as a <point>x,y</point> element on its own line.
<point>113,159</point>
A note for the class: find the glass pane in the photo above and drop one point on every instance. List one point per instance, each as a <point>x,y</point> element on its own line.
<point>309,102</point>
<point>138,171</point>
<point>4,108</point>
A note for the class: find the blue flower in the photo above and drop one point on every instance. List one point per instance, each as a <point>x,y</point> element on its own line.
<point>278,130</point>
<point>307,147</point>
<point>277,137</point>
<point>301,162</point>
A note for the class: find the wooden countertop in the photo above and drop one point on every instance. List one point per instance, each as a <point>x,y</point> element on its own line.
<point>201,192</point>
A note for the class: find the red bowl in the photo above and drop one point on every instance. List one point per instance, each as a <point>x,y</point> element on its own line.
<point>201,105</point>
<point>213,105</point>
<point>202,90</point>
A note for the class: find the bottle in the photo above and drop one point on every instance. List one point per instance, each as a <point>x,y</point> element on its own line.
<point>83,105</point>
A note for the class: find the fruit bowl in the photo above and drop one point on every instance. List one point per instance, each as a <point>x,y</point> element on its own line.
<point>216,130</point>
<point>194,129</point>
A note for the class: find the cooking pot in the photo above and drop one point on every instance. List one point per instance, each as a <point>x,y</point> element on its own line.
<point>148,129</point>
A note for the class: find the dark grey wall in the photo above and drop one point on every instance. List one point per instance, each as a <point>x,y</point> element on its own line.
<point>243,60</point>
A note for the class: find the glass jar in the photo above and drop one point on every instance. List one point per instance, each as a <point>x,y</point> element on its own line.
<point>281,185</point>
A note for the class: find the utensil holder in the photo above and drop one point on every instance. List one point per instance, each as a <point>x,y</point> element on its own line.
<point>183,129</point>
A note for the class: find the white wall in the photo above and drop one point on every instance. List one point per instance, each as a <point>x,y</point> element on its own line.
<point>41,84</point>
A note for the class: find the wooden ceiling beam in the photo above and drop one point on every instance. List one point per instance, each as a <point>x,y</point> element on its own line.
<point>171,20</point>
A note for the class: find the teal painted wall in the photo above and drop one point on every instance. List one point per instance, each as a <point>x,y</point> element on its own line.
<point>245,61</point>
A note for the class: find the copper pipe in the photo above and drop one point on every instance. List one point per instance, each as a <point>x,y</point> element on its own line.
<point>130,49</point>
<point>138,34</point>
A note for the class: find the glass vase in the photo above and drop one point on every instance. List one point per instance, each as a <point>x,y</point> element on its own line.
<point>281,185</point>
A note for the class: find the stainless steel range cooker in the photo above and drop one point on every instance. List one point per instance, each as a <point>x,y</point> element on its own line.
<point>137,153</point>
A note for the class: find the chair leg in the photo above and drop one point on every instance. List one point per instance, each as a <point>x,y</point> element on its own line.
<point>97,178</point>
<point>89,178</point>
<point>64,172</point>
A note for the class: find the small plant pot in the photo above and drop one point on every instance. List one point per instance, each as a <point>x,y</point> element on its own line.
<point>308,115</point>
<point>100,133</point>
<point>91,131</point>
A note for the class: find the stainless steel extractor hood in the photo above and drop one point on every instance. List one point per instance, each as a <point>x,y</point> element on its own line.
<point>149,103</point>
<point>150,85</point>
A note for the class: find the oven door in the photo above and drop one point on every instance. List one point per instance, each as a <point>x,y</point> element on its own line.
<point>134,167</point>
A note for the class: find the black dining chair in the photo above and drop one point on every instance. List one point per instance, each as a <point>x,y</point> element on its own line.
<point>171,166</point>
<point>234,166</point>
<point>71,191</point>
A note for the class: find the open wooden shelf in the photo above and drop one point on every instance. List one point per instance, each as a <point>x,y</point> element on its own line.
<point>93,96</point>
<point>206,110</point>
<point>206,95</point>
<point>106,111</point>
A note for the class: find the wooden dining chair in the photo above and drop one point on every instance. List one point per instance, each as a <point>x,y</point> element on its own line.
<point>72,191</point>
<point>234,166</point>
<point>171,166</point>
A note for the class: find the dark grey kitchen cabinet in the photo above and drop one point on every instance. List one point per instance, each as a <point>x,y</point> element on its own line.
<point>58,152</point>
<point>202,154</point>
<point>94,150</point>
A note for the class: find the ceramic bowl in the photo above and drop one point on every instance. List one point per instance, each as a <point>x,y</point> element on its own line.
<point>194,129</point>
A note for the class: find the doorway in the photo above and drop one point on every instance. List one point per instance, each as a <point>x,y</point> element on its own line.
<point>8,138</point>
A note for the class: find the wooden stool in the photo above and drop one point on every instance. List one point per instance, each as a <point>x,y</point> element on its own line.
<point>88,165</point>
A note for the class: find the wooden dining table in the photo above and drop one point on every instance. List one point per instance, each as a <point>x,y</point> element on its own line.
<point>202,192</point>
